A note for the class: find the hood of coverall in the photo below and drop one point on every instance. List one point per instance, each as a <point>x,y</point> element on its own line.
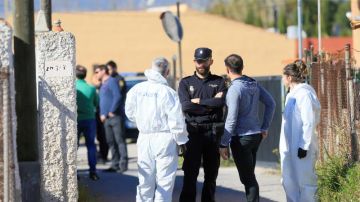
<point>314,100</point>
<point>154,76</point>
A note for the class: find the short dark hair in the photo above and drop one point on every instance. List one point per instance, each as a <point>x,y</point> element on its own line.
<point>94,67</point>
<point>112,64</point>
<point>297,70</point>
<point>80,72</point>
<point>234,63</point>
<point>103,67</point>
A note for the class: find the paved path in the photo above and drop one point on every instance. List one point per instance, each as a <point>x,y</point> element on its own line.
<point>114,187</point>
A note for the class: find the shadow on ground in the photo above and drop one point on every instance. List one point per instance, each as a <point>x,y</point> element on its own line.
<point>114,187</point>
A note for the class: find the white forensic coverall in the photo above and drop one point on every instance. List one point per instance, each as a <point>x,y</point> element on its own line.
<point>156,110</point>
<point>300,117</point>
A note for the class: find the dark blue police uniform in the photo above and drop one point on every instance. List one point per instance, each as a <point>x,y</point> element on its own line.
<point>205,123</point>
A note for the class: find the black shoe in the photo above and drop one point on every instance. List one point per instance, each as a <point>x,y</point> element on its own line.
<point>101,161</point>
<point>111,170</point>
<point>93,176</point>
<point>121,170</point>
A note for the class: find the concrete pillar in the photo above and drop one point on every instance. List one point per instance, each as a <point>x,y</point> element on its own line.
<point>10,189</point>
<point>355,10</point>
<point>55,66</point>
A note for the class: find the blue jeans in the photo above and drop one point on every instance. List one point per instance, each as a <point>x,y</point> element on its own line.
<point>88,129</point>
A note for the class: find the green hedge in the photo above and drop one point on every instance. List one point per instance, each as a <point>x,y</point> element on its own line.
<point>339,180</point>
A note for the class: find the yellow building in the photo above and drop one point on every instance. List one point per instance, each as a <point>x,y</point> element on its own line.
<point>133,39</point>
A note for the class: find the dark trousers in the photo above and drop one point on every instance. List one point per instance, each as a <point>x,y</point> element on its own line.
<point>88,129</point>
<point>101,137</point>
<point>244,150</point>
<point>115,137</point>
<point>201,145</point>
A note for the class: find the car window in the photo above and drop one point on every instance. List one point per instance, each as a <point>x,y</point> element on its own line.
<point>133,81</point>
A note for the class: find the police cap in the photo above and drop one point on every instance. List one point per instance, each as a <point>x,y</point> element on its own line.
<point>202,54</point>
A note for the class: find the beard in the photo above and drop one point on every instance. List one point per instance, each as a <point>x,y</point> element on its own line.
<point>203,71</point>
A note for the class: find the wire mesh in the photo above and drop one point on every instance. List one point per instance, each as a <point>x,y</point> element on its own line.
<point>329,79</point>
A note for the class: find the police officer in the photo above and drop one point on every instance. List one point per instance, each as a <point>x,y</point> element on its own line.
<point>202,99</point>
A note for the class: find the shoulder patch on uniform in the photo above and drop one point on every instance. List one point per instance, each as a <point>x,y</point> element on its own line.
<point>121,83</point>
<point>186,77</point>
<point>217,76</point>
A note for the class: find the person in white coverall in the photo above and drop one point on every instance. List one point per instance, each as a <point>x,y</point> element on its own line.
<point>298,141</point>
<point>156,110</point>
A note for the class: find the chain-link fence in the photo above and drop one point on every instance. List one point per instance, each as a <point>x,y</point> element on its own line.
<point>334,80</point>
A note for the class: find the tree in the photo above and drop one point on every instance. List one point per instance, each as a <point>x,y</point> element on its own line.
<point>218,8</point>
<point>310,17</point>
<point>256,12</point>
<point>282,23</point>
<point>250,16</point>
<point>341,21</point>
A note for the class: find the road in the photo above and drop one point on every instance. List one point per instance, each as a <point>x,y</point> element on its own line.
<point>114,187</point>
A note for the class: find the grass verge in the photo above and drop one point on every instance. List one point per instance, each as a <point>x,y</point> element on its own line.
<point>339,180</point>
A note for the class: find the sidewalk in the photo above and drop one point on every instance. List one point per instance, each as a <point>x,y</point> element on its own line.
<point>114,187</point>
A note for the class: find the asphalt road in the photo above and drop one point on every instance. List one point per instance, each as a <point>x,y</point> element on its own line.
<point>114,187</point>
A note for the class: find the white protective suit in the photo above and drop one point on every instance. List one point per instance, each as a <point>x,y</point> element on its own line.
<point>156,110</point>
<point>300,117</point>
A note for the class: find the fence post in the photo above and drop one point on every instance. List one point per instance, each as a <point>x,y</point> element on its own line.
<point>55,61</point>
<point>308,60</point>
<point>311,53</point>
<point>351,101</point>
<point>9,174</point>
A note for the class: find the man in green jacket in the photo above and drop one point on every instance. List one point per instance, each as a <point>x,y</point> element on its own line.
<point>87,100</point>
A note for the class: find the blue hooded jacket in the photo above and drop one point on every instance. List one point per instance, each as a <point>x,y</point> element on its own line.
<point>242,100</point>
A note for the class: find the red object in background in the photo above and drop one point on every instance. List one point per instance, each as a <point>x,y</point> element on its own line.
<point>329,44</point>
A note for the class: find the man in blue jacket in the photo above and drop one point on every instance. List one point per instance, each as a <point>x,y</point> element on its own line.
<point>110,115</point>
<point>243,130</point>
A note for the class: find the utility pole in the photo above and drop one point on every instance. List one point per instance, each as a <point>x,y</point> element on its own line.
<point>179,43</point>
<point>275,14</point>
<point>25,86</point>
<point>351,105</point>
<point>319,27</point>
<point>46,7</point>
<point>299,9</point>
<point>6,4</point>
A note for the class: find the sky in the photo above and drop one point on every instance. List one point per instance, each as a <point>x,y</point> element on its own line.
<point>103,5</point>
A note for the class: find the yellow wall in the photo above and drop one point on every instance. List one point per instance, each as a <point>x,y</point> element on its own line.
<point>133,39</point>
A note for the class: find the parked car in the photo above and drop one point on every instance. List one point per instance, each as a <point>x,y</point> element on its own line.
<point>131,80</point>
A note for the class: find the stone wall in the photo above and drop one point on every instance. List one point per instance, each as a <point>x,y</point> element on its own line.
<point>10,189</point>
<point>55,63</point>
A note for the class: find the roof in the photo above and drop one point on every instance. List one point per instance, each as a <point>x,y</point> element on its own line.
<point>329,44</point>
